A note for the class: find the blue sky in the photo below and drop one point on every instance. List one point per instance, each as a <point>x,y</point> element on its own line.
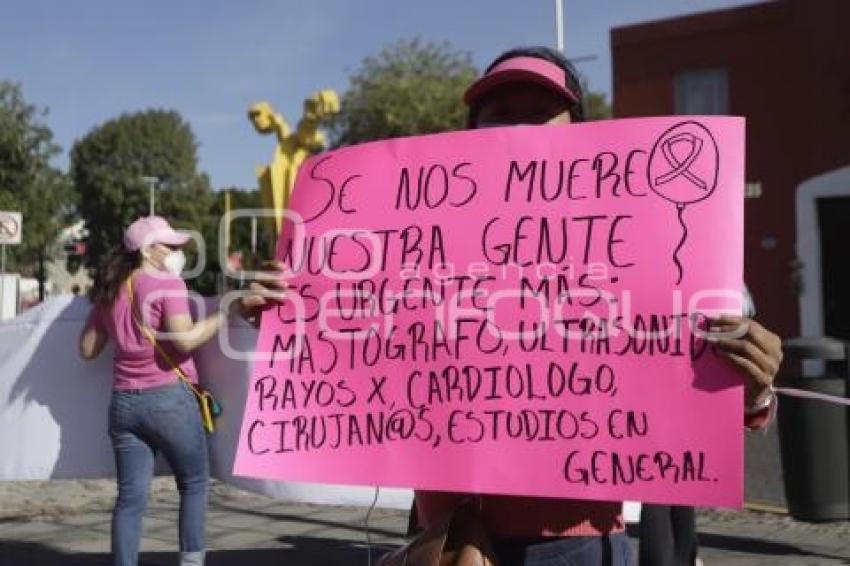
<point>89,61</point>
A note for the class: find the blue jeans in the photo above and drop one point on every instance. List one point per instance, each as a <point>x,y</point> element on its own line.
<point>611,550</point>
<point>141,423</point>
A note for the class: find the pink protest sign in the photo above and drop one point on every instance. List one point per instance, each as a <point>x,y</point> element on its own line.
<point>512,310</point>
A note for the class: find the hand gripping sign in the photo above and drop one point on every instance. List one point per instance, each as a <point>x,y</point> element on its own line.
<point>511,310</point>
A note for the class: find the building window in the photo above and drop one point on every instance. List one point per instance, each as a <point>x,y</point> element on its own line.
<point>703,91</point>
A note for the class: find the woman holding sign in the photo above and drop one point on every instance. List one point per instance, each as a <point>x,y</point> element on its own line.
<point>141,304</point>
<point>539,86</point>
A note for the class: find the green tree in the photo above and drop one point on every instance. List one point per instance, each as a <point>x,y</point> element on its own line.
<point>409,88</point>
<point>107,167</point>
<point>240,228</point>
<point>27,181</point>
<point>596,106</point>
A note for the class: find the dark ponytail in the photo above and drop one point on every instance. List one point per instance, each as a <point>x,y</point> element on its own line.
<point>112,273</point>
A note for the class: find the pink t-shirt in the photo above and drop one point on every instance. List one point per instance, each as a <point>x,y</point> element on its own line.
<point>136,365</point>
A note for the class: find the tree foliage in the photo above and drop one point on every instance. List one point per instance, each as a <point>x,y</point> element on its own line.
<point>596,106</point>
<point>107,167</point>
<point>409,88</point>
<point>28,183</point>
<point>240,229</point>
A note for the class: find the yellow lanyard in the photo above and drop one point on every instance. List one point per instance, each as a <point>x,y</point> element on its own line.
<point>205,400</point>
<point>152,339</point>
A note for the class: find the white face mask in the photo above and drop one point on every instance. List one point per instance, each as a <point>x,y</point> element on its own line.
<point>175,262</point>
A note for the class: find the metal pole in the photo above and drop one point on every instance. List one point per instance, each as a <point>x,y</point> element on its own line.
<point>42,277</point>
<point>254,235</point>
<point>559,25</point>
<point>2,281</point>
<point>227,233</point>
<point>151,181</point>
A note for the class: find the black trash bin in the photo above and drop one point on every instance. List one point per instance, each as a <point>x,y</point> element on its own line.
<point>814,434</point>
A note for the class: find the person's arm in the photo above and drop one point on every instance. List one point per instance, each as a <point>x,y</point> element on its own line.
<point>185,333</point>
<point>188,335</point>
<point>756,353</point>
<point>266,290</point>
<point>760,416</point>
<point>93,337</point>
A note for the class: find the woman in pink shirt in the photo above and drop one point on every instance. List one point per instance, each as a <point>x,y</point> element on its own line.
<point>152,410</point>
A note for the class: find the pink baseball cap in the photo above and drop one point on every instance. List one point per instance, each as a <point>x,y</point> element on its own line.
<point>149,230</point>
<point>521,68</point>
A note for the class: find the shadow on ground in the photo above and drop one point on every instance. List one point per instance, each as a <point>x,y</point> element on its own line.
<point>297,551</point>
<point>324,551</point>
<point>273,516</point>
<point>763,547</point>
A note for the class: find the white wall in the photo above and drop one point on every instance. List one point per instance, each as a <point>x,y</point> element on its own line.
<point>53,407</point>
<point>8,296</point>
<point>832,184</point>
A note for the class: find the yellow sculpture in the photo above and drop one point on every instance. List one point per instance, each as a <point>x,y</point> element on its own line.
<point>277,179</point>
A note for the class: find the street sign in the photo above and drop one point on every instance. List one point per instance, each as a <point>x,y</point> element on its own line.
<point>10,227</point>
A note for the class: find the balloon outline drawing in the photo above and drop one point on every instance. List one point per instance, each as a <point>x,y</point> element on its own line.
<point>697,136</point>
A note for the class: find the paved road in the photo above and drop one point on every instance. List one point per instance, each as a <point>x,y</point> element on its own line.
<point>250,530</point>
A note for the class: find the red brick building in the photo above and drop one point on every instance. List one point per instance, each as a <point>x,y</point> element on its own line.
<point>785,66</point>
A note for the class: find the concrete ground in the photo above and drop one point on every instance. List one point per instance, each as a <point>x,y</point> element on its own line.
<point>250,530</point>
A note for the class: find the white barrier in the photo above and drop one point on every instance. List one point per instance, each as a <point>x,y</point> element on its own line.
<point>53,407</point>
